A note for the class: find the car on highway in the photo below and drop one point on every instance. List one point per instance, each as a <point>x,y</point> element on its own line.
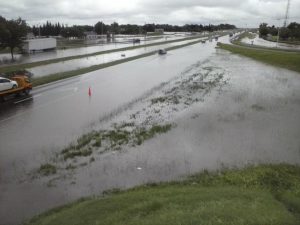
<point>136,40</point>
<point>162,52</point>
<point>6,84</point>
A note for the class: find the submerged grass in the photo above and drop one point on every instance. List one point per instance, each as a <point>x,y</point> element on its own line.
<point>284,59</point>
<point>266,194</point>
<point>47,169</point>
<point>115,139</point>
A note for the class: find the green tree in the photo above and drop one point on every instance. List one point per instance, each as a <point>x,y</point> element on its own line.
<point>72,32</point>
<point>284,33</point>
<point>100,28</point>
<point>114,28</point>
<point>263,29</point>
<point>294,29</point>
<point>12,33</point>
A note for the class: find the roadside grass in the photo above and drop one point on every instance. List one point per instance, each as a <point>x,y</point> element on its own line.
<point>20,67</point>
<point>265,194</point>
<point>60,76</point>
<point>288,60</point>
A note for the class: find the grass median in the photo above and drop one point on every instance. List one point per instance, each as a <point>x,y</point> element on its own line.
<point>266,194</point>
<point>284,59</point>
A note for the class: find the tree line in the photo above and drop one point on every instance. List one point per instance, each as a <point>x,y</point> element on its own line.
<point>77,31</point>
<point>291,32</point>
<point>13,32</point>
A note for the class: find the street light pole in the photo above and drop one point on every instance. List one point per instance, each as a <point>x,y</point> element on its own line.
<point>278,36</point>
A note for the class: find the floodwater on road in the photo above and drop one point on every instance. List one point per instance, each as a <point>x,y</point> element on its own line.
<point>230,111</point>
<point>41,56</point>
<point>262,42</point>
<point>69,65</point>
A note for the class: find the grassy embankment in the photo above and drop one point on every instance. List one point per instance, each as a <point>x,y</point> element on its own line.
<point>266,194</point>
<point>284,59</point>
<point>68,74</point>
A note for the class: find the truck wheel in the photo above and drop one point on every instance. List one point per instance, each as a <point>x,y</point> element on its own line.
<point>26,92</point>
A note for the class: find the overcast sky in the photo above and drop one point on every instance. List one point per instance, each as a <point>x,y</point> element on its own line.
<point>242,13</point>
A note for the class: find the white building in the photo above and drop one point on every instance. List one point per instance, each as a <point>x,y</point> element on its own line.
<point>39,44</point>
<point>159,31</point>
<point>90,35</point>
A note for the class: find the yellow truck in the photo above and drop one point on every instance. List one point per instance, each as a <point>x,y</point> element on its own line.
<point>21,86</point>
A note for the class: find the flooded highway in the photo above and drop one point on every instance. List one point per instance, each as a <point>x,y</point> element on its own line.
<point>227,110</point>
<point>264,43</point>
<point>69,65</point>
<point>61,53</point>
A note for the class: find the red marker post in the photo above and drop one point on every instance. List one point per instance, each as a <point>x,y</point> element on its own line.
<point>90,92</point>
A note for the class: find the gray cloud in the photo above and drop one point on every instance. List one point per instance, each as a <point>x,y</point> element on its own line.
<point>240,13</point>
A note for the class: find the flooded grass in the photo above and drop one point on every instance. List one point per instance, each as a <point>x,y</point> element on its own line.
<point>112,140</point>
<point>266,194</point>
<point>145,120</point>
<point>284,59</point>
<point>47,169</point>
<point>244,35</point>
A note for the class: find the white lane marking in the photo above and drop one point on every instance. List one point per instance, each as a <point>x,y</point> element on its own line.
<point>26,99</point>
<point>1,121</point>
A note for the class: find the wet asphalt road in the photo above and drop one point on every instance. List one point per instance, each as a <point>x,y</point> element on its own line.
<point>252,119</point>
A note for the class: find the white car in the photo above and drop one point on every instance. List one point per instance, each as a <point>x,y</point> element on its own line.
<point>6,84</point>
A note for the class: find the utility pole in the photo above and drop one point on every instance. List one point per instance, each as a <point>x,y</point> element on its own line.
<point>287,13</point>
<point>278,36</point>
<point>39,30</point>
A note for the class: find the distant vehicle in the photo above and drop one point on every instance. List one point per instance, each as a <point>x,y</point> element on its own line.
<point>19,84</point>
<point>6,84</point>
<point>162,52</point>
<point>203,41</point>
<point>39,44</point>
<point>123,55</point>
<point>136,40</point>
<point>231,35</point>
